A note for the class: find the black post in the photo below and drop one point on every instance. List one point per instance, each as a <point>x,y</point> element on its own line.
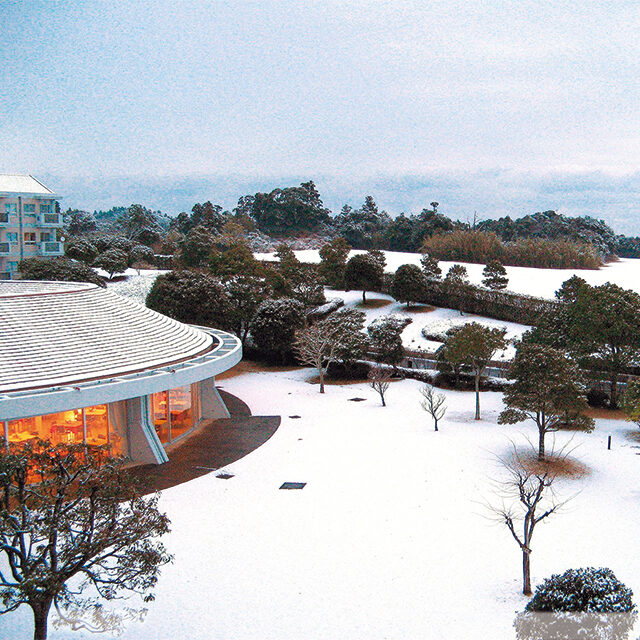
<point>609,443</point>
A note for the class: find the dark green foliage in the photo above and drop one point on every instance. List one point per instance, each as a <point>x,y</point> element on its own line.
<point>286,210</point>
<point>353,343</point>
<point>105,242</point>
<point>409,284</point>
<point>470,347</point>
<point>71,519</point>
<point>362,228</point>
<point>79,223</point>
<point>81,249</point>
<point>457,275</point>
<point>301,280</point>
<point>238,259</point>
<point>333,262</point>
<point>274,327</point>
<point>112,261</point>
<point>430,267</point>
<point>575,604</point>
<point>555,226</point>
<point>60,269</point>
<point>548,389</point>
<point>140,253</point>
<point>494,276</point>
<point>207,215</point>
<point>363,272</point>
<point>140,224</point>
<point>192,297</point>
<point>385,336</point>
<point>245,293</point>
<point>196,248</point>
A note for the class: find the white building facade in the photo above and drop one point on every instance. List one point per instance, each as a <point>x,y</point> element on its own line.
<point>28,222</point>
<point>82,365</point>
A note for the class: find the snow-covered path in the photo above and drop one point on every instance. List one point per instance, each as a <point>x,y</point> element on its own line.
<point>388,539</point>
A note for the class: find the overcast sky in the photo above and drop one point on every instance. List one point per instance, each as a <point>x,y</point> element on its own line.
<point>356,90</point>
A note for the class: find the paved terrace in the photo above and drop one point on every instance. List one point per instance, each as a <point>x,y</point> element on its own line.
<point>213,445</point>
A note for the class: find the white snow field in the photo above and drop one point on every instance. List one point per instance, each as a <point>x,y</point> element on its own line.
<point>389,538</point>
<point>535,282</point>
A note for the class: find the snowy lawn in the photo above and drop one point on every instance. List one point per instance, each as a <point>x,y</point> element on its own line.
<point>388,539</point>
<point>437,320</point>
<point>135,285</point>
<point>535,282</point>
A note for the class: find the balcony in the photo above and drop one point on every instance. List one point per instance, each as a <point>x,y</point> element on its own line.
<point>4,219</point>
<point>5,248</point>
<point>50,220</point>
<point>51,248</point>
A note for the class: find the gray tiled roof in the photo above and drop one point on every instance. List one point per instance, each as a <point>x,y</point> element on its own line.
<point>60,333</point>
<point>20,183</point>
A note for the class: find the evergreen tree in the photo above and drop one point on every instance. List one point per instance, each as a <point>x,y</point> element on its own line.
<point>471,346</point>
<point>547,389</point>
<point>196,248</point>
<point>409,284</point>
<point>363,272</point>
<point>494,276</point>
<point>333,262</point>
<point>274,326</point>
<point>430,267</point>
<point>385,335</point>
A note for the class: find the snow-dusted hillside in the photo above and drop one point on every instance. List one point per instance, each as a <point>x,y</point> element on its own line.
<point>536,282</point>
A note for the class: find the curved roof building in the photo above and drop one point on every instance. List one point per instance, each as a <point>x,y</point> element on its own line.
<point>79,363</point>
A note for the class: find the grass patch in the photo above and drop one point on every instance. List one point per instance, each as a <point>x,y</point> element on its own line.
<point>565,467</point>
<point>374,303</point>
<point>605,414</point>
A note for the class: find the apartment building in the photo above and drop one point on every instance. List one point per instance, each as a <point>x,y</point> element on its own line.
<point>28,222</point>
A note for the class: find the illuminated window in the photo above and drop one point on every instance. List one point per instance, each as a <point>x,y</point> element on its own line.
<point>29,237</point>
<point>173,413</point>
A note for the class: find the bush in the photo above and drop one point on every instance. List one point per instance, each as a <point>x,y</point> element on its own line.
<point>484,247</point>
<point>58,269</point>
<point>192,297</point>
<point>597,398</point>
<point>579,600</point>
<point>81,249</point>
<point>274,327</point>
<point>112,261</point>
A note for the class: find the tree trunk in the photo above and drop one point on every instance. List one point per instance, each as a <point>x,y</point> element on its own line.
<point>435,423</point>
<point>541,453</point>
<point>40,616</point>
<point>526,572</point>
<point>613,397</point>
<point>321,372</point>
<point>364,296</point>
<point>477,380</point>
<point>384,404</point>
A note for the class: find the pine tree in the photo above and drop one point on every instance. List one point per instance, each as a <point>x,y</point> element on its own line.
<point>495,276</point>
<point>430,267</point>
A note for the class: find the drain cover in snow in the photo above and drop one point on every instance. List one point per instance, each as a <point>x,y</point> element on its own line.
<point>357,399</point>
<point>293,485</point>
<point>294,417</point>
<point>224,476</point>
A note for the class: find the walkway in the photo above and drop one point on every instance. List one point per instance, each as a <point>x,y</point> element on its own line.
<point>210,447</point>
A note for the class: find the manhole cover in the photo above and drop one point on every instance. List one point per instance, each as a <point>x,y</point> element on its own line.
<point>357,399</point>
<point>224,476</point>
<point>293,485</point>
<point>294,417</point>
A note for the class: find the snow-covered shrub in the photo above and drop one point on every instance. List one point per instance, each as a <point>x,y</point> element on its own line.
<point>579,603</point>
<point>274,326</point>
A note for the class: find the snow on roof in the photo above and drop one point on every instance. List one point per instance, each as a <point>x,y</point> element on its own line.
<point>57,333</point>
<point>22,183</point>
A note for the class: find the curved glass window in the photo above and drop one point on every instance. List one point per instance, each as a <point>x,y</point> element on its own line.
<point>173,412</point>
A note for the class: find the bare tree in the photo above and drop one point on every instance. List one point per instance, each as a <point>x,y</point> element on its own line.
<point>324,342</point>
<point>68,513</point>
<point>379,380</point>
<point>433,403</point>
<point>527,497</point>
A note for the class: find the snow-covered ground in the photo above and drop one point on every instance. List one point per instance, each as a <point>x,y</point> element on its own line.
<point>438,320</point>
<point>135,285</point>
<point>536,282</point>
<point>389,539</point>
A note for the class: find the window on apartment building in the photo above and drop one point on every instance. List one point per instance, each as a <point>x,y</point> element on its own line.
<point>45,208</point>
<point>29,238</point>
<point>29,208</point>
<point>12,266</point>
<point>45,237</point>
<point>12,237</point>
<point>11,207</point>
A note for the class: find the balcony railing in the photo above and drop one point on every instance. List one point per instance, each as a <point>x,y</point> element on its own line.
<point>51,248</point>
<point>5,248</point>
<point>50,220</point>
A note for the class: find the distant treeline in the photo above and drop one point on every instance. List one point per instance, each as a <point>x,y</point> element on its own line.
<point>543,239</point>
